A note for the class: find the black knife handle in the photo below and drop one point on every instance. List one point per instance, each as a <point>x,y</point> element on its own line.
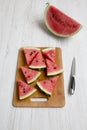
<point>72,87</point>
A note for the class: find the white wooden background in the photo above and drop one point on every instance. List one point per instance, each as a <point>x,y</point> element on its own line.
<point>21,24</point>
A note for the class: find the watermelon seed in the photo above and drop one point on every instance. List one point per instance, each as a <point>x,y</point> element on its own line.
<point>54,67</point>
<point>25,72</point>
<point>28,76</point>
<point>51,81</point>
<point>74,26</point>
<point>53,15</point>
<point>31,53</point>
<point>23,90</point>
<point>36,60</point>
<point>44,82</point>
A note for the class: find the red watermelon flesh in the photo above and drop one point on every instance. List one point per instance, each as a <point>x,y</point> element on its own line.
<point>49,53</point>
<point>53,68</point>
<point>30,75</point>
<point>30,53</point>
<point>45,86</point>
<point>54,80</point>
<point>25,90</point>
<point>38,62</point>
<point>59,23</point>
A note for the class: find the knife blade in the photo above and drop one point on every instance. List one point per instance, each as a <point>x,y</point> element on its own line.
<point>73,74</point>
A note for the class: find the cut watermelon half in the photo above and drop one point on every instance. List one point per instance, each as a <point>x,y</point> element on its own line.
<point>30,75</point>
<point>38,62</point>
<point>30,53</point>
<point>53,68</point>
<point>59,23</point>
<point>49,53</point>
<point>25,90</point>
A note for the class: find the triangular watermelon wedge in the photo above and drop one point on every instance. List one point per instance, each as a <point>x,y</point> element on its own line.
<point>30,75</point>
<point>53,68</point>
<point>45,86</point>
<point>48,85</point>
<point>49,53</point>
<point>30,53</point>
<point>38,62</point>
<point>25,90</point>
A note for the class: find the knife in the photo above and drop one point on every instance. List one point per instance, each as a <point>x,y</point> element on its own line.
<point>73,74</point>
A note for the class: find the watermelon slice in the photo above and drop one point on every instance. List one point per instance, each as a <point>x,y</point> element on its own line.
<point>59,23</point>
<point>38,62</point>
<point>30,53</point>
<point>25,90</point>
<point>48,85</point>
<point>49,53</point>
<point>53,68</point>
<point>30,75</point>
<point>45,86</point>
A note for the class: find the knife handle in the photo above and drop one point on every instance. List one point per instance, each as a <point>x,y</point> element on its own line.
<point>72,87</point>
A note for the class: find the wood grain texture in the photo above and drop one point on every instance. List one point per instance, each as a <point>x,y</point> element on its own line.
<point>58,96</point>
<point>22,24</point>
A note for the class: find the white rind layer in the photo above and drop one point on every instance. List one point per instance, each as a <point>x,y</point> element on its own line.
<point>41,87</point>
<point>27,95</point>
<point>28,47</point>
<point>54,73</point>
<point>48,49</point>
<point>57,34</point>
<point>37,67</point>
<point>39,73</point>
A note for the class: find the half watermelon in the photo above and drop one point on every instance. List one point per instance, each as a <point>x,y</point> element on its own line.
<point>30,54</point>
<point>38,62</point>
<point>59,23</point>
<point>49,53</point>
<point>25,90</point>
<point>53,68</point>
<point>30,75</point>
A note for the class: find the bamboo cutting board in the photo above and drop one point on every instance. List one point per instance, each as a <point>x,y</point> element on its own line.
<point>39,99</point>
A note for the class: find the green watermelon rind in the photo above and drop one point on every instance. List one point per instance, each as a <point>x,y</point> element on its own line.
<point>28,94</point>
<point>57,34</point>
<point>55,73</point>
<point>37,76</point>
<point>42,89</point>
<point>37,67</point>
